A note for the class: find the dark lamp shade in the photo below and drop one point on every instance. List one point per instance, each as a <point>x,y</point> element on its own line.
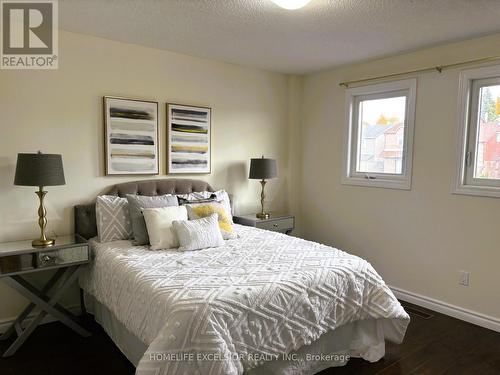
<point>39,170</point>
<point>262,168</point>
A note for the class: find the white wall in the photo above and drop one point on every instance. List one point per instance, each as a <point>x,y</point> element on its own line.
<point>418,240</point>
<point>61,112</point>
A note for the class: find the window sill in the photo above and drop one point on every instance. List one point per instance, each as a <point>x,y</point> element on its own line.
<point>476,190</point>
<point>377,183</point>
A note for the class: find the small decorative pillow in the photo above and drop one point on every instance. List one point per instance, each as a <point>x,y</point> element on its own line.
<point>159,224</point>
<point>113,219</point>
<point>220,196</point>
<point>183,201</point>
<point>196,195</point>
<point>197,211</point>
<point>198,234</point>
<point>136,204</point>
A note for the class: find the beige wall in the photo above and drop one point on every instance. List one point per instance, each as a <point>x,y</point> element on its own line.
<point>61,112</point>
<point>419,239</point>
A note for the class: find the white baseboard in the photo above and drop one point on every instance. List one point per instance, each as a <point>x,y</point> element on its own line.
<point>448,309</point>
<point>5,323</point>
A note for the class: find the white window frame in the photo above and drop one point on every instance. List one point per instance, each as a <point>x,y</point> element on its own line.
<point>469,84</point>
<point>350,176</point>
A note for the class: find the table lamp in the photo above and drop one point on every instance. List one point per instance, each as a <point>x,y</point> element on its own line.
<point>262,169</point>
<point>40,170</point>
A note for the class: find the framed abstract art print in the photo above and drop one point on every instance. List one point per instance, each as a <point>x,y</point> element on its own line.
<point>131,136</point>
<point>188,143</point>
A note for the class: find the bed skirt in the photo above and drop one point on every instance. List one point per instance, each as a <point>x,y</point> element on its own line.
<point>363,339</point>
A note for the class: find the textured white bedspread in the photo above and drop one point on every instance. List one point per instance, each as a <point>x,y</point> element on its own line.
<point>226,310</point>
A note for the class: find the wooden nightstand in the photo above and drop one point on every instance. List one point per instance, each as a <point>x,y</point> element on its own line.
<point>277,222</point>
<point>67,257</point>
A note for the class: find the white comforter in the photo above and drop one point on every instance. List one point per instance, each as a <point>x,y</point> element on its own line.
<point>226,310</point>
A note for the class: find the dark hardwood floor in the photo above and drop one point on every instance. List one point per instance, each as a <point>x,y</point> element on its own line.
<point>439,345</point>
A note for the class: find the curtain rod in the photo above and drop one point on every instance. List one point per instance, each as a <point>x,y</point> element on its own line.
<point>438,69</point>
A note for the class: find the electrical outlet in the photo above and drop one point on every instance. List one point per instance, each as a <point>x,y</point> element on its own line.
<point>464,278</point>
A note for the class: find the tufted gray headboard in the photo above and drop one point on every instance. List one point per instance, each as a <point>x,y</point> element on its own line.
<point>85,220</point>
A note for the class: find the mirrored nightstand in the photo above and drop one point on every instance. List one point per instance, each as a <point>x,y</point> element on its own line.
<point>276,222</point>
<point>66,257</point>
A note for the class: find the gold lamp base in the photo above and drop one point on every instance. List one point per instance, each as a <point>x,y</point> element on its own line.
<point>43,242</point>
<point>262,214</point>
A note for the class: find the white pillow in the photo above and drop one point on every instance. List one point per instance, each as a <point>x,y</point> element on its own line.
<point>198,234</point>
<point>159,225</point>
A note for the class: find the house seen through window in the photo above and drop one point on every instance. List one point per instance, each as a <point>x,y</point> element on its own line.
<point>488,137</point>
<point>382,123</point>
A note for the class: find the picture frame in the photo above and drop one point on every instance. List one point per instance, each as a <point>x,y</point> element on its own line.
<point>130,136</point>
<point>188,139</point>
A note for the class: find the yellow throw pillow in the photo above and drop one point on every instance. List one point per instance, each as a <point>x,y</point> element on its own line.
<point>198,211</point>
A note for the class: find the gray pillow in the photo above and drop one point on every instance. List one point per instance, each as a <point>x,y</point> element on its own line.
<point>136,203</point>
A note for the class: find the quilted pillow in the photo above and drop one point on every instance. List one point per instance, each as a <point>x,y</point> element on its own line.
<point>159,224</point>
<point>113,219</point>
<point>197,211</point>
<point>136,204</point>
<point>220,196</point>
<point>198,234</point>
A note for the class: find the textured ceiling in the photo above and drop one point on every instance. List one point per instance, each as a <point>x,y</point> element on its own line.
<point>325,33</point>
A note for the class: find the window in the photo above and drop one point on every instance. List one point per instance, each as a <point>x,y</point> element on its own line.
<point>379,135</point>
<point>478,171</point>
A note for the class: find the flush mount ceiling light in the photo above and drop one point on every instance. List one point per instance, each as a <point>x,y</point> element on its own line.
<point>291,4</point>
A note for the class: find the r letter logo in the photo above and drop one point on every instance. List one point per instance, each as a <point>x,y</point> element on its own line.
<point>29,34</point>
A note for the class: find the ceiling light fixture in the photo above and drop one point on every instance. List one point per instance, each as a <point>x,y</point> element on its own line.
<point>291,4</point>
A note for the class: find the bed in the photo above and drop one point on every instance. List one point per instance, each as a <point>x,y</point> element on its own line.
<point>264,303</point>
